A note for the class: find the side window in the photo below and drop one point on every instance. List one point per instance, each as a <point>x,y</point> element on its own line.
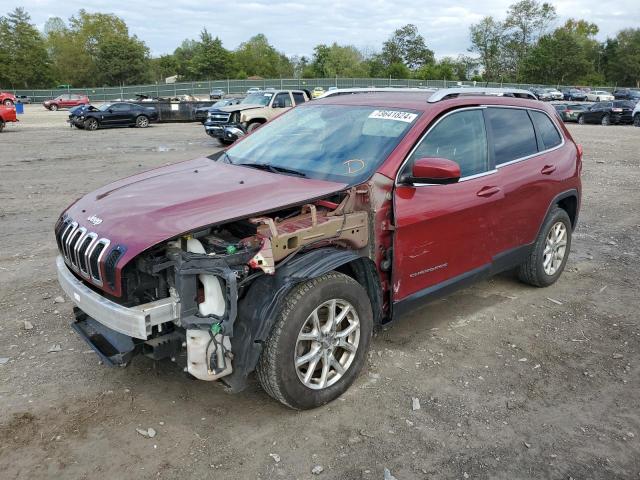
<point>460,137</point>
<point>546,129</point>
<point>120,107</point>
<point>513,134</point>
<point>282,100</point>
<point>298,97</point>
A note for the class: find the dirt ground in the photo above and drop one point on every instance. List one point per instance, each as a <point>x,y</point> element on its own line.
<point>513,381</point>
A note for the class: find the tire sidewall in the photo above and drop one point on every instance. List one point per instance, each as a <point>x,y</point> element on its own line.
<point>605,121</point>
<point>87,124</point>
<point>581,120</point>
<point>140,119</point>
<point>557,215</point>
<point>294,391</point>
<point>53,107</point>
<point>253,126</point>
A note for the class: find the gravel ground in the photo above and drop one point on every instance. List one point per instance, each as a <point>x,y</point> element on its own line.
<point>511,381</point>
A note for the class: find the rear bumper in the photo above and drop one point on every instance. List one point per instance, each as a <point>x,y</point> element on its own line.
<point>135,322</point>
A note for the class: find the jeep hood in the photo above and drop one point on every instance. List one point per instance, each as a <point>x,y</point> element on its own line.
<point>141,211</point>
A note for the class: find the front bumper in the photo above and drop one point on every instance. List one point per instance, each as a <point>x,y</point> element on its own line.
<point>135,322</point>
<point>229,132</point>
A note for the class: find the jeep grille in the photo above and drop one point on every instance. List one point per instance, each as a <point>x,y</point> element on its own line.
<point>81,249</point>
<point>219,117</point>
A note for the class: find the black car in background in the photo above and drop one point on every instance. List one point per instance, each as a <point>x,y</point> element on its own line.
<point>119,114</point>
<point>627,94</point>
<point>202,113</point>
<point>607,113</point>
<point>574,94</point>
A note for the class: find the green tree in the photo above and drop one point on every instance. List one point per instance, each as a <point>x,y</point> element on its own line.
<point>23,54</point>
<point>343,61</point>
<point>406,46</point>
<point>622,58</point>
<point>210,59</point>
<point>487,40</point>
<point>123,60</point>
<point>258,57</point>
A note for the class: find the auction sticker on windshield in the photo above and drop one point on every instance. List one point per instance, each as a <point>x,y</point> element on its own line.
<point>407,117</point>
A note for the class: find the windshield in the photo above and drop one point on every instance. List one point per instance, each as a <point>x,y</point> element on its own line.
<point>327,142</point>
<point>257,99</point>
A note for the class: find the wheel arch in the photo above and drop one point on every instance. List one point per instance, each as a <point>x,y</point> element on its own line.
<point>569,202</point>
<point>259,306</point>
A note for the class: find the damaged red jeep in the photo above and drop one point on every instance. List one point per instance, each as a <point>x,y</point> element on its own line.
<point>282,254</point>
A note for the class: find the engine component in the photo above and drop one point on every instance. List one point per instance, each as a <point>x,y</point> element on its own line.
<point>208,355</point>
<point>214,301</point>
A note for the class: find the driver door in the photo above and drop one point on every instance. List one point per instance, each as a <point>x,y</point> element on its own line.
<point>444,233</point>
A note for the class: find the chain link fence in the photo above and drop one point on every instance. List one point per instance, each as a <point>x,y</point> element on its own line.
<point>202,89</point>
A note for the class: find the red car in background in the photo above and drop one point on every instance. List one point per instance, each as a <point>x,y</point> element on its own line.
<point>67,100</point>
<point>7,114</point>
<point>7,99</point>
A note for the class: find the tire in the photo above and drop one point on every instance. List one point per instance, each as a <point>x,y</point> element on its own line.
<point>534,271</point>
<point>636,120</point>
<point>597,99</point>
<point>8,103</point>
<point>224,141</point>
<point>605,121</point>
<point>252,126</point>
<point>1,125</point>
<point>277,371</point>
<point>53,107</point>
<point>580,120</point>
<point>142,121</point>
<point>91,124</point>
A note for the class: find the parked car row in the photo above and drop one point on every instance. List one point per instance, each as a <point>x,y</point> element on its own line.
<point>616,112</point>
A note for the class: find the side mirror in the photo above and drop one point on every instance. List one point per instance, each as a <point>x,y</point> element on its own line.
<point>432,170</point>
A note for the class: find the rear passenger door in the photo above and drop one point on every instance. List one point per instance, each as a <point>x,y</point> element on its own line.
<point>524,144</point>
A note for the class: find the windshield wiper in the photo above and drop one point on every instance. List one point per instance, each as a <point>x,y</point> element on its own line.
<point>273,168</point>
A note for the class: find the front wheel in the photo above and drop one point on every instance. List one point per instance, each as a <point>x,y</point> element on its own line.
<point>53,107</point>
<point>91,124</point>
<point>224,141</point>
<point>319,342</point>
<point>597,99</point>
<point>8,103</point>
<point>252,126</point>
<point>606,121</point>
<point>581,120</point>
<point>1,125</point>
<point>550,251</point>
<point>142,121</point>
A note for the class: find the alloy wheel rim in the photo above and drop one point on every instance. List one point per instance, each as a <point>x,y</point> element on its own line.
<point>143,122</point>
<point>327,344</point>
<point>555,248</point>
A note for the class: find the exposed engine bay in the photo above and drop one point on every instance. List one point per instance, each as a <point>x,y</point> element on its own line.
<point>208,272</point>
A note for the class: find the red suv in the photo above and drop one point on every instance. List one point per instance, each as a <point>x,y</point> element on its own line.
<point>281,254</point>
<point>67,100</point>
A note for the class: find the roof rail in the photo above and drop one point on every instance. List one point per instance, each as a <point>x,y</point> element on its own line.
<point>349,91</point>
<point>446,93</point>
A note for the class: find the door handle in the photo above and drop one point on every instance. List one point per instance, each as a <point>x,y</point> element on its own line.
<point>488,191</point>
<point>548,169</point>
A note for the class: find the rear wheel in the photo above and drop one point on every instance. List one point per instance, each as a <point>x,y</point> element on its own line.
<point>91,124</point>
<point>606,121</point>
<point>318,345</point>
<point>550,251</point>
<point>142,121</point>
<point>53,107</point>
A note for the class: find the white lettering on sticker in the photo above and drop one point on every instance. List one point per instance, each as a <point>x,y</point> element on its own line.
<point>407,117</point>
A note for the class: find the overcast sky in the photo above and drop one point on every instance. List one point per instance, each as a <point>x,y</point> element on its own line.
<point>296,27</point>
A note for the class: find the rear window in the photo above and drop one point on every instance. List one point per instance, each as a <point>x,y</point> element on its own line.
<point>513,134</point>
<point>623,104</point>
<point>546,129</point>
<point>298,97</point>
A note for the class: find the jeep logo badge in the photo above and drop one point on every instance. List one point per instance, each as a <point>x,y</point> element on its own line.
<point>95,220</point>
